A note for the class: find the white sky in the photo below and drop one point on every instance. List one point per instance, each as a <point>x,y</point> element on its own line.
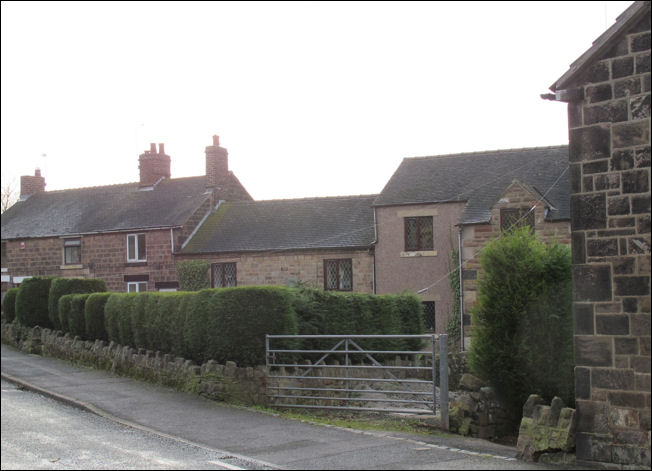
<point>310,99</point>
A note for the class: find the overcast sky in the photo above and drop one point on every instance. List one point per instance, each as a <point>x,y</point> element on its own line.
<point>310,99</point>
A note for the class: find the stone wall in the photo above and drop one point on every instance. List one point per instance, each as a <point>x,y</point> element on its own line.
<point>220,382</point>
<point>547,433</point>
<point>102,255</point>
<point>609,131</point>
<point>285,267</point>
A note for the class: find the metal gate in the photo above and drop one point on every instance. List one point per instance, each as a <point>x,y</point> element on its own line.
<point>336,385</point>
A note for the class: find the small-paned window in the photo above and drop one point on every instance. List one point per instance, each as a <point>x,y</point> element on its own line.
<point>338,274</point>
<point>418,233</point>
<point>511,218</point>
<point>72,251</point>
<point>136,286</point>
<point>224,275</point>
<point>136,249</point>
<point>429,315</point>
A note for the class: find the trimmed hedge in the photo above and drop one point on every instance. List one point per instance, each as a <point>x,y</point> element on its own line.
<point>9,304</point>
<point>62,286</point>
<point>77,321</point>
<point>327,312</point>
<point>63,312</point>
<point>94,316</point>
<point>194,275</point>
<point>32,302</point>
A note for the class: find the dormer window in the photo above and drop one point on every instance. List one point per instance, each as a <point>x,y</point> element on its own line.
<point>136,248</point>
<point>511,218</point>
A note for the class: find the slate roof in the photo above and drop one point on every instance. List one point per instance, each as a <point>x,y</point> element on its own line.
<point>603,43</point>
<point>480,178</point>
<point>109,208</point>
<point>309,223</point>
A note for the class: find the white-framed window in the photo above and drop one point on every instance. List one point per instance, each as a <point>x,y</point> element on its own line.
<point>136,248</point>
<point>72,251</point>
<point>136,286</point>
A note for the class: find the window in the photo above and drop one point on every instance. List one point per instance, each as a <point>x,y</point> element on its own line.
<point>511,218</point>
<point>136,250</point>
<point>224,275</point>
<point>418,233</point>
<point>72,251</point>
<point>338,275</point>
<point>429,315</point>
<point>136,286</point>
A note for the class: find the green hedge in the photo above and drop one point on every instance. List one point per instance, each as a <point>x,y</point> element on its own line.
<point>229,324</point>
<point>94,316</point>
<point>62,286</point>
<point>329,312</point>
<point>194,275</point>
<point>32,302</point>
<point>63,312</point>
<point>77,321</point>
<point>9,304</point>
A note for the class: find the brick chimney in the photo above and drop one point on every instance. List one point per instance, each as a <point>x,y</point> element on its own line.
<point>30,185</point>
<point>153,165</point>
<point>217,163</point>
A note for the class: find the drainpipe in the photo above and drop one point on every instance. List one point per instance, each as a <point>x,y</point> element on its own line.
<point>459,257</point>
<point>373,275</point>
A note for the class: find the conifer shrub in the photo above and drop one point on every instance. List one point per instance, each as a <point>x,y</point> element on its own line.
<point>76,320</point>
<point>94,316</point>
<point>194,275</point>
<point>63,312</point>
<point>522,332</point>
<point>117,318</point>
<point>9,304</point>
<point>62,286</point>
<point>32,302</point>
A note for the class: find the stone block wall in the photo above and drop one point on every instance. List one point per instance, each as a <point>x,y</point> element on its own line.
<point>227,382</point>
<point>609,131</point>
<point>284,267</point>
<point>102,255</point>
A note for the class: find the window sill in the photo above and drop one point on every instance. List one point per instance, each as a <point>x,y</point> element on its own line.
<point>71,267</point>
<point>136,264</point>
<point>420,253</point>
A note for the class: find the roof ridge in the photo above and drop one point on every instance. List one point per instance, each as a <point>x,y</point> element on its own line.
<point>309,198</point>
<point>497,151</point>
<point>114,185</point>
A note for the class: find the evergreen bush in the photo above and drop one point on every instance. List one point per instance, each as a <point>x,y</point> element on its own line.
<point>9,304</point>
<point>32,302</point>
<point>522,334</point>
<point>94,316</point>
<point>63,312</point>
<point>61,286</point>
<point>194,275</point>
<point>76,320</point>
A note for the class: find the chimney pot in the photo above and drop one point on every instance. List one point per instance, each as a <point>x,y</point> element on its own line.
<point>161,148</point>
<point>30,185</point>
<point>216,140</point>
<point>152,148</point>
<point>37,172</point>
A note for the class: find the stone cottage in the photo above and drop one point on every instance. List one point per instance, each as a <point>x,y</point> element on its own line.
<point>325,242</point>
<point>125,234</point>
<point>432,206</point>
<point>608,94</point>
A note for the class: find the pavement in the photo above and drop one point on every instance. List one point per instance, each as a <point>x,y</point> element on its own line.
<point>257,439</point>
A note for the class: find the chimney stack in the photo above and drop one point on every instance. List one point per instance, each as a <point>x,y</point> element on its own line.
<point>217,163</point>
<point>153,165</point>
<point>30,185</point>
